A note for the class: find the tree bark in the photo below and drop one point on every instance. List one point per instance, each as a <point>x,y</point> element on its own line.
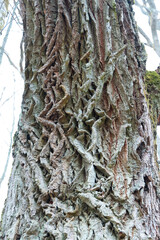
<point>84,164</point>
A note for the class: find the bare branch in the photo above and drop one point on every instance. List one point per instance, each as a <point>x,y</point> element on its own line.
<point>1,96</point>
<point>153,24</point>
<point>9,59</point>
<point>9,98</point>
<point>149,8</point>
<point>143,8</point>
<point>7,33</point>
<point>11,135</point>
<point>149,42</point>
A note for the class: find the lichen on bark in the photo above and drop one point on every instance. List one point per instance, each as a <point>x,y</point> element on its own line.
<point>152,93</point>
<point>83,157</point>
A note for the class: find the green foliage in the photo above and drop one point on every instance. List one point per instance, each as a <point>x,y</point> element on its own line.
<point>114,6</point>
<point>152,86</point>
<point>152,82</point>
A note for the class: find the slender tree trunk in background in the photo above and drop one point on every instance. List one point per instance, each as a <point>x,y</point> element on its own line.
<point>84,164</point>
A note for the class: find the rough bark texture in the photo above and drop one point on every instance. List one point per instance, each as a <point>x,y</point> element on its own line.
<point>84,165</point>
<point>152,86</point>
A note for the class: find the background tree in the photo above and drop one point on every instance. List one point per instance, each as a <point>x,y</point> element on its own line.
<point>11,86</point>
<point>84,164</point>
<point>149,9</point>
<point>3,12</point>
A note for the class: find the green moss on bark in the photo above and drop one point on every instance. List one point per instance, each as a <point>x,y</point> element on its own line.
<point>152,85</point>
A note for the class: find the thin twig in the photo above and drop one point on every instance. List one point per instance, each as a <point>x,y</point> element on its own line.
<point>10,145</point>
<point>149,43</point>
<point>10,61</point>
<point>7,33</point>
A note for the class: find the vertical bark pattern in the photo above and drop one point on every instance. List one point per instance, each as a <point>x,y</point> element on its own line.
<point>83,155</point>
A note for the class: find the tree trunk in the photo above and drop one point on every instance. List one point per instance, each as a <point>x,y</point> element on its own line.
<point>84,164</point>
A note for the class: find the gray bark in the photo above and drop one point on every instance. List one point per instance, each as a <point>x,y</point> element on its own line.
<point>84,164</point>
